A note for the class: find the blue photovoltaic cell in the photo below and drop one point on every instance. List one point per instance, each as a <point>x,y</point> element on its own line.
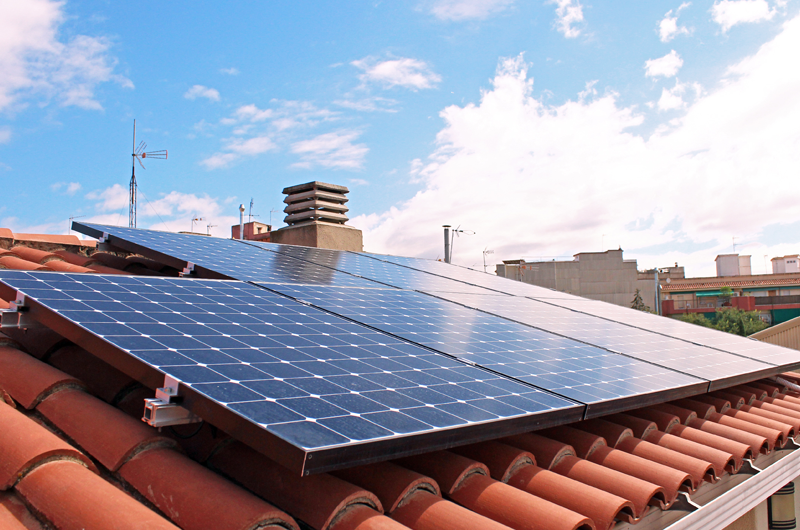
<point>679,355</point>
<point>579,371</point>
<point>311,378</point>
<point>373,269</point>
<point>785,358</point>
<point>482,279</point>
<point>231,258</point>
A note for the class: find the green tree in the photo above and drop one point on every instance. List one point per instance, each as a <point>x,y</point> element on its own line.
<point>697,318</point>
<point>725,294</point>
<point>638,303</point>
<point>740,322</point>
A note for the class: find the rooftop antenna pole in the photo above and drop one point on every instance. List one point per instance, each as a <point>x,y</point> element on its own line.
<point>137,156</point>
<point>250,214</point>
<point>446,243</point>
<point>208,228</point>
<point>241,221</point>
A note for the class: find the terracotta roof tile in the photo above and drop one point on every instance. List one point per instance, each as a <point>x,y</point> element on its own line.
<point>390,482</point>
<point>360,517</point>
<point>63,266</point>
<point>683,414</point>
<point>560,458</point>
<point>425,511</point>
<point>26,444</point>
<point>71,496</point>
<point>757,443</point>
<point>196,498</point>
<point>67,240</point>
<point>6,233</point>
<point>502,460</point>
<point>316,500</point>
<point>34,255</point>
<point>754,420</point>
<point>14,515</point>
<point>29,380</point>
<point>719,460</point>
<point>10,261</point>
<point>738,450</point>
<point>772,390</point>
<point>111,260</point>
<point>665,421</point>
<point>703,410</point>
<point>111,436</point>
<point>102,269</point>
<point>773,436</point>
<point>75,259</point>
<point>783,404</point>
<point>612,433</point>
<point>640,427</point>
<point>584,443</point>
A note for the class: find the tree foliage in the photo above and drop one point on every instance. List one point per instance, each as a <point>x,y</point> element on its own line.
<point>638,303</point>
<point>730,320</point>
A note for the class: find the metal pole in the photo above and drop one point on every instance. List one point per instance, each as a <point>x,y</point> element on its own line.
<point>132,198</point>
<point>655,276</point>
<point>241,221</point>
<point>446,243</point>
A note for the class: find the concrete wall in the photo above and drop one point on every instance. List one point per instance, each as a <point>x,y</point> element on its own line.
<point>604,276</point>
<point>322,235</point>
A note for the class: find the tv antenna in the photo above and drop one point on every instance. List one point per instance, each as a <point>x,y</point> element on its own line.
<point>138,154</point>
<point>209,226</point>
<point>196,220</point>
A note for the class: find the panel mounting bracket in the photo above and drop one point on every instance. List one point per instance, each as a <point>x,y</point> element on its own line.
<point>163,410</point>
<point>17,315</point>
<point>188,270</point>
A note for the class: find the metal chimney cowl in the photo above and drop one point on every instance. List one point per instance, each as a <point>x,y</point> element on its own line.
<point>316,217</point>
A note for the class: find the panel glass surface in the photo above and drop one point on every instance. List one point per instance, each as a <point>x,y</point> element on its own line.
<point>232,258</point>
<point>579,371</point>
<point>679,355</point>
<point>309,377</point>
<point>482,279</point>
<point>373,269</point>
<point>787,358</point>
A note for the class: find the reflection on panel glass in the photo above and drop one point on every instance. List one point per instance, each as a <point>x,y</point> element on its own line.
<point>720,340</point>
<point>309,377</point>
<point>679,355</point>
<point>579,371</point>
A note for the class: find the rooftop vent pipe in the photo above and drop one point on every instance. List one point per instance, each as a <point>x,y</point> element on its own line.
<point>241,221</point>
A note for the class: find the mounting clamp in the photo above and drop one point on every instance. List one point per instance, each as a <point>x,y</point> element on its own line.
<point>188,270</point>
<point>163,410</point>
<point>17,315</point>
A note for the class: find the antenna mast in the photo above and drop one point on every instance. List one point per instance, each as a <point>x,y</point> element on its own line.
<point>137,156</point>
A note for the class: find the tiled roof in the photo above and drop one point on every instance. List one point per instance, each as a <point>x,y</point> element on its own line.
<point>74,454</point>
<point>700,284</point>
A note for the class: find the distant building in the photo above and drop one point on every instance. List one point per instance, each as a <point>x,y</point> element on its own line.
<point>786,264</point>
<point>604,276</point>
<point>776,296</point>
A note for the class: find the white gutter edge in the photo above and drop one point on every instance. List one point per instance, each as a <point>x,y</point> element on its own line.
<point>732,504</point>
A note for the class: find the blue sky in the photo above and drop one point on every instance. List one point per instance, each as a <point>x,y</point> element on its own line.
<point>547,128</point>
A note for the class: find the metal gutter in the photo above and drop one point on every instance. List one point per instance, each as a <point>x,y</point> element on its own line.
<point>739,500</point>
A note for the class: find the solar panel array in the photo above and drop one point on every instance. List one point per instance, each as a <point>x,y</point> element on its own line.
<point>304,375</point>
<point>332,349</point>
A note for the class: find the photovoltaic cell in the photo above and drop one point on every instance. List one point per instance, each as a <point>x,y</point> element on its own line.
<point>722,368</point>
<point>786,359</point>
<point>481,279</point>
<point>372,269</point>
<point>224,256</point>
<point>579,371</point>
<point>301,374</point>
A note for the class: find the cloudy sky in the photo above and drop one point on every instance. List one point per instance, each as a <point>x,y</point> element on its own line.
<point>543,128</point>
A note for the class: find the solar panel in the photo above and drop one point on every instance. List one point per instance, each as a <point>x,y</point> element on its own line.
<point>336,391</point>
<point>604,380</point>
<point>372,269</point>
<point>786,359</point>
<point>225,257</point>
<point>470,276</point>
<point>721,368</point>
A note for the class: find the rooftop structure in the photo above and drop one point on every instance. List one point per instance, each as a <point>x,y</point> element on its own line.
<point>72,443</point>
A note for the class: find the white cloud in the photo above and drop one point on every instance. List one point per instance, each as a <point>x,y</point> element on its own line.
<point>568,14</point>
<point>666,66</point>
<point>171,211</point>
<point>672,99</point>
<point>238,148</point>
<point>467,9</point>
<point>69,188</point>
<point>36,61</point>
<point>533,179</point>
<point>668,28</point>
<point>403,71</point>
<point>110,199</point>
<point>5,134</point>
<point>728,13</point>
<point>358,182</point>
<point>200,91</point>
<point>229,71</point>
<point>370,104</point>
<point>333,150</point>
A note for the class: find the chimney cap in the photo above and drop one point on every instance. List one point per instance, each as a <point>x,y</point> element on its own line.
<point>316,185</point>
